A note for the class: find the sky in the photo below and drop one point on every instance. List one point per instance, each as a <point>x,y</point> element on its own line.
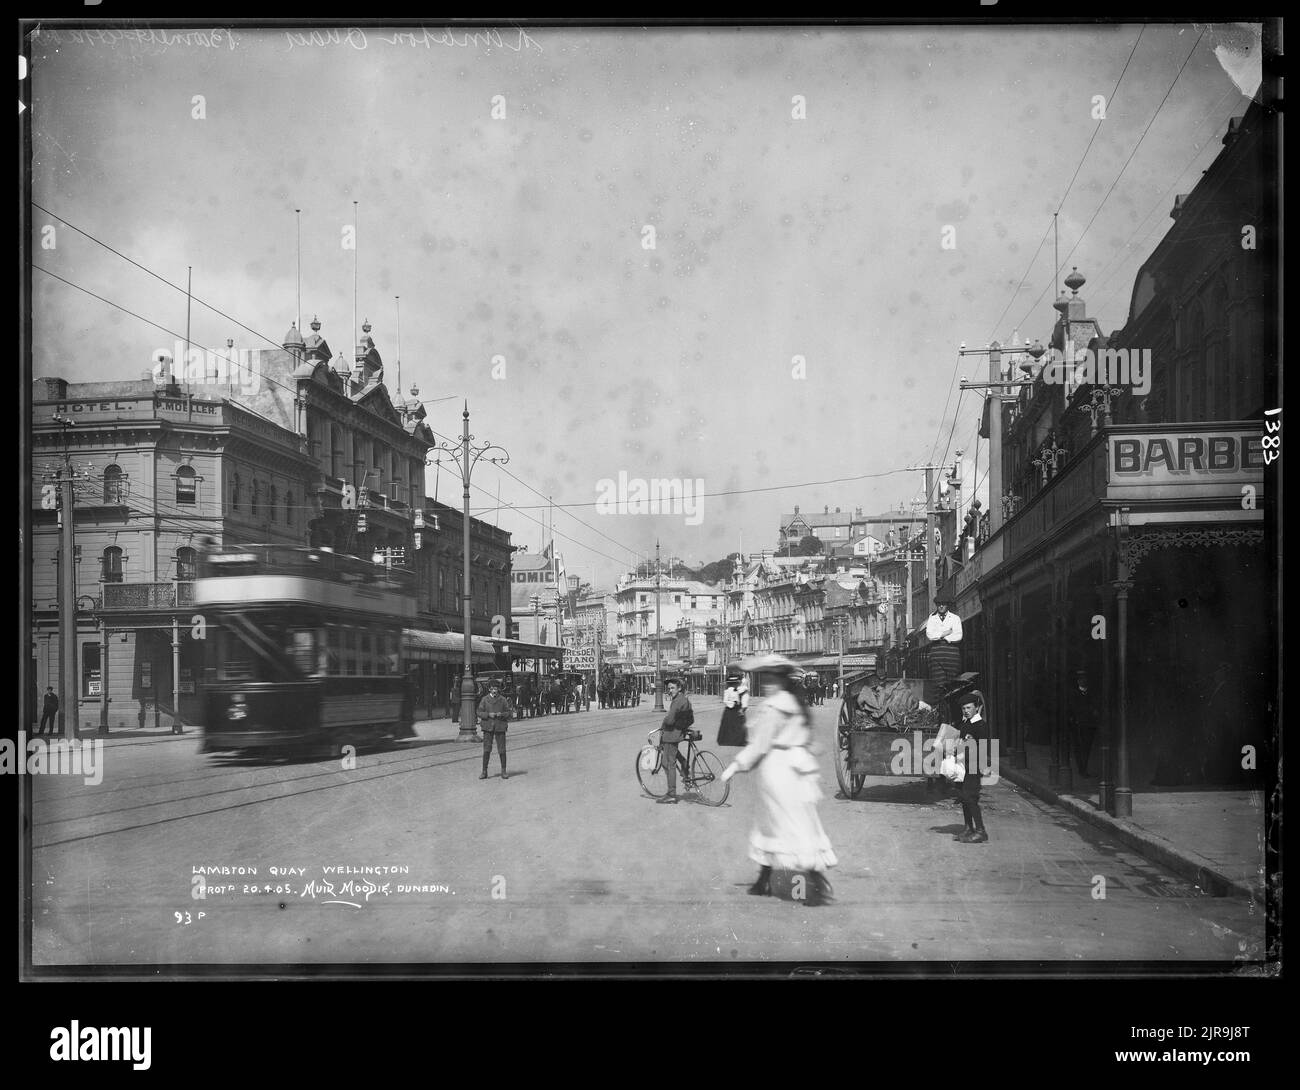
<point>834,212</point>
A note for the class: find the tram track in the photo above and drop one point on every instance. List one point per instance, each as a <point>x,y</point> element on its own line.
<point>267,791</point>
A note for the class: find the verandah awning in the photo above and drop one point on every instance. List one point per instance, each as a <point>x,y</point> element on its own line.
<point>448,647</point>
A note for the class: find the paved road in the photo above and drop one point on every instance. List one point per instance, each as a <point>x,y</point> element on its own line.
<point>568,862</point>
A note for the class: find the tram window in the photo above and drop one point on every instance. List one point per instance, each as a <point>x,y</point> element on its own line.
<point>234,659</point>
<point>302,649</point>
<point>349,652</point>
<point>365,654</point>
<point>333,651</point>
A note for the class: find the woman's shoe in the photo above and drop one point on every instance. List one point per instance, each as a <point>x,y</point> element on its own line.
<point>821,892</point>
<point>763,886</point>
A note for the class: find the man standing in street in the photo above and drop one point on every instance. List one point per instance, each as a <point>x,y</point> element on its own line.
<point>1082,722</point>
<point>50,711</point>
<point>678,720</point>
<point>494,711</point>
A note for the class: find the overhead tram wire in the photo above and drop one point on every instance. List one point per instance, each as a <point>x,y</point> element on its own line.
<point>1037,249</point>
<point>1211,120</point>
<point>1061,203</point>
<point>1118,176</point>
<point>156,276</point>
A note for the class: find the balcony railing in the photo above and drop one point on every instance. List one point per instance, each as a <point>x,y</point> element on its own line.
<point>137,596</point>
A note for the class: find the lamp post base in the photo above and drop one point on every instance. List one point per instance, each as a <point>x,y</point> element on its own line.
<point>468,711</point>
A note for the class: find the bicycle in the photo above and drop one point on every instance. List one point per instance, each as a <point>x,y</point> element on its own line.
<point>700,770</point>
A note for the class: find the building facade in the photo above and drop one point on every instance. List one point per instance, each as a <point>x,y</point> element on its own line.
<point>1129,538</point>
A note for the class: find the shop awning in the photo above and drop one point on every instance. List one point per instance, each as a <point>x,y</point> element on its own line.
<point>521,649</point>
<point>448,647</point>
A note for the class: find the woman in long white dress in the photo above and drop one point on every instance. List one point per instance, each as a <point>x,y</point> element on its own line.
<point>787,832</point>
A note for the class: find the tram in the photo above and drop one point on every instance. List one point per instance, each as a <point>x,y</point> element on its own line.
<point>303,650</point>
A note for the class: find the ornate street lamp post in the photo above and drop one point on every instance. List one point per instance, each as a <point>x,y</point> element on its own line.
<point>659,647</point>
<point>465,457</point>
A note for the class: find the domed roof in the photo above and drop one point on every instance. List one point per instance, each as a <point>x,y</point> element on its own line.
<point>293,339</point>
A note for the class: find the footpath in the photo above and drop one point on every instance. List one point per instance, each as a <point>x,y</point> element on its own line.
<point>1209,835</point>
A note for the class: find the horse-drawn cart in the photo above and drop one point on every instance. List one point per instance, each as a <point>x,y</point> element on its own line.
<point>894,738</point>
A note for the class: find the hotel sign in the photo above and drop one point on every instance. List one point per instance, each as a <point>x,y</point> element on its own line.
<point>1205,461</point>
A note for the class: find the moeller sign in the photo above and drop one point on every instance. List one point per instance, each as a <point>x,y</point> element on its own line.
<point>1205,461</point>
<point>580,658</point>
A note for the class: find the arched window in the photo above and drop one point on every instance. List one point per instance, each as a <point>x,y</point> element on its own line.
<point>185,563</point>
<point>111,571</point>
<point>113,484</point>
<point>185,484</point>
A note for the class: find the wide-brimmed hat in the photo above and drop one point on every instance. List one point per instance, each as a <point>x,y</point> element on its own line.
<point>943,600</point>
<point>769,663</point>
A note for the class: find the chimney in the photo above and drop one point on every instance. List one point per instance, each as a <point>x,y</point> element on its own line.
<point>1177,209</point>
<point>54,389</point>
<point>1234,129</point>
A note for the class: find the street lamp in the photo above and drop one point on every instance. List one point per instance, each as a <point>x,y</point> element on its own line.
<point>468,458</point>
<point>659,646</point>
<point>537,631</point>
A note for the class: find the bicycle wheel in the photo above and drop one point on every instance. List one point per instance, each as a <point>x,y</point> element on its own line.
<point>706,777</point>
<point>650,772</point>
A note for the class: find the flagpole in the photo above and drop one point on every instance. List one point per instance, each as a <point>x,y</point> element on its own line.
<point>298,216</point>
<point>356,257</point>
<point>189,277</point>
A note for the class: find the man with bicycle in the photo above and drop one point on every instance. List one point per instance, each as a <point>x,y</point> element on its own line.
<point>678,720</point>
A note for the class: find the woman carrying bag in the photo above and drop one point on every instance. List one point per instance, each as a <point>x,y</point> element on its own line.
<point>787,830</point>
<point>735,702</point>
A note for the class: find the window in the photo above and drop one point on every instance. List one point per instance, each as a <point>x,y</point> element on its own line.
<point>336,451</point>
<point>270,507</point>
<point>91,685</point>
<point>257,495</point>
<point>113,484</point>
<point>185,485</point>
<point>111,571</point>
<point>234,491</point>
<point>185,563</point>
<point>288,508</point>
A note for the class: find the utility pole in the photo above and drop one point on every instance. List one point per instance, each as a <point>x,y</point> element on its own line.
<point>67,590</point>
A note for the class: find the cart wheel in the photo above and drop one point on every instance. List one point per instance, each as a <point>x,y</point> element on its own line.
<point>850,782</point>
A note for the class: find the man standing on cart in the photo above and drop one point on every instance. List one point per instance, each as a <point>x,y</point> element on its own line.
<point>943,631</point>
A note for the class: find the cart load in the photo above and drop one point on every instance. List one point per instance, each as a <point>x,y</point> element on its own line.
<point>890,729</point>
